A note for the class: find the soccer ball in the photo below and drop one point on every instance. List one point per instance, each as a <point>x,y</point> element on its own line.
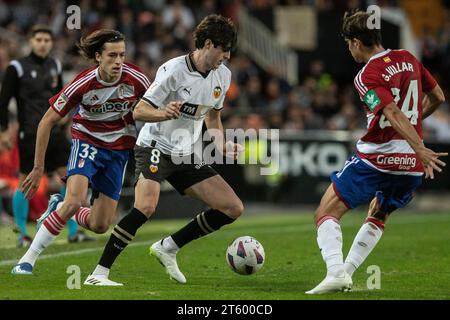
<point>245,255</point>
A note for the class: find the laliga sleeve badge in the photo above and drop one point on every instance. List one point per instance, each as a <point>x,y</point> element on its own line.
<point>153,168</point>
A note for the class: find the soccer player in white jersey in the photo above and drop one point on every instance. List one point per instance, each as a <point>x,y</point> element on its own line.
<point>187,90</point>
<point>391,157</point>
<point>103,132</point>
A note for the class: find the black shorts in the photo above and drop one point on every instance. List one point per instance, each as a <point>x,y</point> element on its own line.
<point>57,154</point>
<point>157,166</point>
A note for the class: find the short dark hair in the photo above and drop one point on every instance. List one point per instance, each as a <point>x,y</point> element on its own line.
<point>41,28</point>
<point>220,30</point>
<point>354,25</point>
<point>94,42</point>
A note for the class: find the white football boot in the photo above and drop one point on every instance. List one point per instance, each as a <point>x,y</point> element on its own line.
<point>333,284</point>
<point>96,280</point>
<point>168,260</point>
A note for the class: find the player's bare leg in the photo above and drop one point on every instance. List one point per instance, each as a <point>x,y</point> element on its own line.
<point>329,239</point>
<point>367,237</point>
<point>146,198</point>
<point>59,211</point>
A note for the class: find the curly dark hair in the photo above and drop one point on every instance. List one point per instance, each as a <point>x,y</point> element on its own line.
<point>94,42</point>
<point>220,30</point>
<point>354,25</point>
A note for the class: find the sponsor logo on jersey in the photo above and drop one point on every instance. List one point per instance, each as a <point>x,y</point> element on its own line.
<point>189,108</point>
<point>111,106</point>
<point>60,102</point>
<point>217,91</point>
<point>153,168</point>
<point>371,99</point>
<point>404,162</point>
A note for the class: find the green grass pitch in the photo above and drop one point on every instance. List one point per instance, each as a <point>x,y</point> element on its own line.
<point>413,256</point>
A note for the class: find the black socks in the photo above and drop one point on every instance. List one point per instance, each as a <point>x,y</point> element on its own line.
<point>204,223</point>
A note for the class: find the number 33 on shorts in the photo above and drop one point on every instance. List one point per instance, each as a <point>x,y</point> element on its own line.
<point>80,153</point>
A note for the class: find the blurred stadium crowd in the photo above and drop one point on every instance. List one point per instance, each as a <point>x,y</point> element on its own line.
<point>157,30</point>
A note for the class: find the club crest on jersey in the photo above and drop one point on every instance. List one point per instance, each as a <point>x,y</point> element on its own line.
<point>60,102</point>
<point>81,163</point>
<point>217,91</point>
<point>387,59</point>
<point>120,92</point>
<point>153,168</point>
<point>371,99</point>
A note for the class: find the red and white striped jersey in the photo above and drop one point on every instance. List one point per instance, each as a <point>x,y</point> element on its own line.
<point>392,76</point>
<point>104,110</point>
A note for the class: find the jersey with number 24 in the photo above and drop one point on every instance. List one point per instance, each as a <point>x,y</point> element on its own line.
<point>392,76</point>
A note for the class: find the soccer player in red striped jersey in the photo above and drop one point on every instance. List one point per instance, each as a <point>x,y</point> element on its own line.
<point>397,93</point>
<point>103,132</point>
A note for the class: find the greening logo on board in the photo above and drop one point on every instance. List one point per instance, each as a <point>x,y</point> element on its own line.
<point>371,99</point>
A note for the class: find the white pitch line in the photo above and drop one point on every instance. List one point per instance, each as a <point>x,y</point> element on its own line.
<point>75,252</point>
<point>291,228</point>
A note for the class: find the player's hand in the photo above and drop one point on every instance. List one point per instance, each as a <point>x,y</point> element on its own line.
<point>31,182</point>
<point>431,161</point>
<point>232,150</point>
<point>172,110</point>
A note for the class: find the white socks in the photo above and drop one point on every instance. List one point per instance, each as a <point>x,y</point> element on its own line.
<point>169,245</point>
<point>365,240</point>
<point>41,240</point>
<point>329,239</point>
<point>49,230</point>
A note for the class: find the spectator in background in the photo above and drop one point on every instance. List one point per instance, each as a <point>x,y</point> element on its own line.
<point>32,80</point>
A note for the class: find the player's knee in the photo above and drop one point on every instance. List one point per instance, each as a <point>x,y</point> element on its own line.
<point>379,215</point>
<point>72,206</point>
<point>146,209</point>
<point>233,209</point>
<point>99,227</point>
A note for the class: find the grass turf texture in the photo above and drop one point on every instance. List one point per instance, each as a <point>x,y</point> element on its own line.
<point>413,255</point>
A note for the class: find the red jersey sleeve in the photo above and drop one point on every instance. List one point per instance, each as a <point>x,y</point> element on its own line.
<point>372,92</point>
<point>70,96</point>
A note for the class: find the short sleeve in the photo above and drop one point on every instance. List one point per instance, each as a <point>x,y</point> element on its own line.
<point>374,94</point>
<point>159,90</point>
<point>70,96</point>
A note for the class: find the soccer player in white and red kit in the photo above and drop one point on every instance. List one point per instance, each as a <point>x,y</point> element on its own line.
<point>397,93</point>
<point>103,132</point>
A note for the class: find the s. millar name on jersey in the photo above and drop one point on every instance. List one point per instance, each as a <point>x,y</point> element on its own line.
<point>111,106</point>
<point>193,111</point>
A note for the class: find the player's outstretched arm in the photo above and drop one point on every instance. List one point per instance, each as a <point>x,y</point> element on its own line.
<point>401,124</point>
<point>32,181</point>
<point>147,112</point>
<point>432,100</point>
